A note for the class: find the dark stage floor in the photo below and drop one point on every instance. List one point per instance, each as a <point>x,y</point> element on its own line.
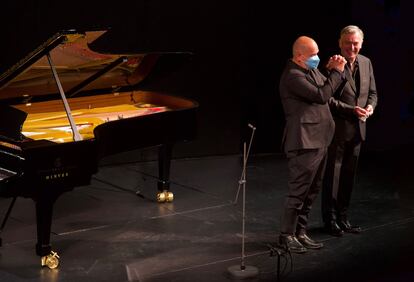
<point>114,230</point>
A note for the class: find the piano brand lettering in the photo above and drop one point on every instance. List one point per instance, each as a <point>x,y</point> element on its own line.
<point>57,175</point>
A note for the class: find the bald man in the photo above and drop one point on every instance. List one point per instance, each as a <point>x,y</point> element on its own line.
<point>309,129</point>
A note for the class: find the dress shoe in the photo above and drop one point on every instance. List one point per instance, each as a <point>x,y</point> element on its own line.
<point>290,242</point>
<point>308,242</point>
<point>348,227</point>
<point>333,229</point>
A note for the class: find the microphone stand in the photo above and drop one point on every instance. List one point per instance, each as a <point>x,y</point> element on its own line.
<point>242,180</point>
<point>242,271</point>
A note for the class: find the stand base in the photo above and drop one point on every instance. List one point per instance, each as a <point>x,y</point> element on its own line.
<point>237,272</point>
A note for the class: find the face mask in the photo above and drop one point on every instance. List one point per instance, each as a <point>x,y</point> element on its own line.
<point>312,62</point>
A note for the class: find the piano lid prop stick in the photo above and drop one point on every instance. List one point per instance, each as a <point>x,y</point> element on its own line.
<point>76,135</point>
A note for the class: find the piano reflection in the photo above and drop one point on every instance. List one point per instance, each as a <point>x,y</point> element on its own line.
<point>64,107</point>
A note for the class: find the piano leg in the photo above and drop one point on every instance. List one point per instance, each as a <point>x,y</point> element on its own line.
<point>164,163</point>
<point>44,212</point>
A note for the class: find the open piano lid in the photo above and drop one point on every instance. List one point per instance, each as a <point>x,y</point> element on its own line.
<point>78,68</point>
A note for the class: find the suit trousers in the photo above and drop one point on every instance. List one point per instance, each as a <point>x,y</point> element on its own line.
<point>339,178</point>
<point>306,169</point>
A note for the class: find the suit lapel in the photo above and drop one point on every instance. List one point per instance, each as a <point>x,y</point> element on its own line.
<point>316,77</point>
<point>350,79</point>
<point>362,70</point>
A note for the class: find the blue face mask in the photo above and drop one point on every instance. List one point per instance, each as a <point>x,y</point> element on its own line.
<point>313,62</point>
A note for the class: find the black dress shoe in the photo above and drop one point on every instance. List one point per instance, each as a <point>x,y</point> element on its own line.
<point>348,227</point>
<point>333,229</point>
<point>290,242</point>
<point>308,242</point>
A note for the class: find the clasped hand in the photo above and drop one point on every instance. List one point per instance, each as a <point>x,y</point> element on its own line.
<point>362,113</point>
<point>336,62</point>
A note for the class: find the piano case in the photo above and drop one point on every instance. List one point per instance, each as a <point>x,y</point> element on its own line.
<point>64,106</point>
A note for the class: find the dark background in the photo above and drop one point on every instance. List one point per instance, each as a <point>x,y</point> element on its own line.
<point>239,50</point>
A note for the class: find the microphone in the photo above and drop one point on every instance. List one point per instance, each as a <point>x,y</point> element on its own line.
<point>251,126</point>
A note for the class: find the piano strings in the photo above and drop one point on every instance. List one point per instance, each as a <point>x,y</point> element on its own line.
<point>54,126</point>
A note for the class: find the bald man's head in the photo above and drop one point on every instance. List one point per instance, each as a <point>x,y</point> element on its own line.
<point>304,45</point>
<point>303,48</point>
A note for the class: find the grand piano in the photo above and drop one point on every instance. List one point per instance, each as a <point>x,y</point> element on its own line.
<point>63,107</point>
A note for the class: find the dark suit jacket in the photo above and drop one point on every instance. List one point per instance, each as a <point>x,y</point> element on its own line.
<point>345,99</point>
<point>304,95</point>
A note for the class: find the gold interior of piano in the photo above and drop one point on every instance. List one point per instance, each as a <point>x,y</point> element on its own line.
<point>75,62</point>
<point>54,126</point>
<point>48,120</point>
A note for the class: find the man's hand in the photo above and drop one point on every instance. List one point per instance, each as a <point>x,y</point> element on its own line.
<point>336,62</point>
<point>369,109</point>
<point>361,113</point>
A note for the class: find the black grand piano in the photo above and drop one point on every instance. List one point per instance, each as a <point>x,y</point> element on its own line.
<point>64,107</point>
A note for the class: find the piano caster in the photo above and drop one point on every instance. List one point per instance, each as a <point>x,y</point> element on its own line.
<point>165,196</point>
<point>51,260</point>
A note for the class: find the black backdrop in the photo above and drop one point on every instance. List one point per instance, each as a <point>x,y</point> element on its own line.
<point>239,50</point>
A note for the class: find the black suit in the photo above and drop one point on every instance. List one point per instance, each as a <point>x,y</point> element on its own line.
<point>308,132</point>
<point>343,153</point>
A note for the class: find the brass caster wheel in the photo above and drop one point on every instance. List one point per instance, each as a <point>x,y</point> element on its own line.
<point>51,260</point>
<point>165,196</point>
<point>160,197</point>
<point>170,197</point>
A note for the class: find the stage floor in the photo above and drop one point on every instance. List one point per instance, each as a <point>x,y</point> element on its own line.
<point>114,230</point>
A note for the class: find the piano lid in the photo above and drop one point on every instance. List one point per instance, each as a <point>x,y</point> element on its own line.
<point>78,67</point>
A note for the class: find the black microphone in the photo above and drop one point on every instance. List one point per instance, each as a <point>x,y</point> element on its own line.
<point>251,126</point>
